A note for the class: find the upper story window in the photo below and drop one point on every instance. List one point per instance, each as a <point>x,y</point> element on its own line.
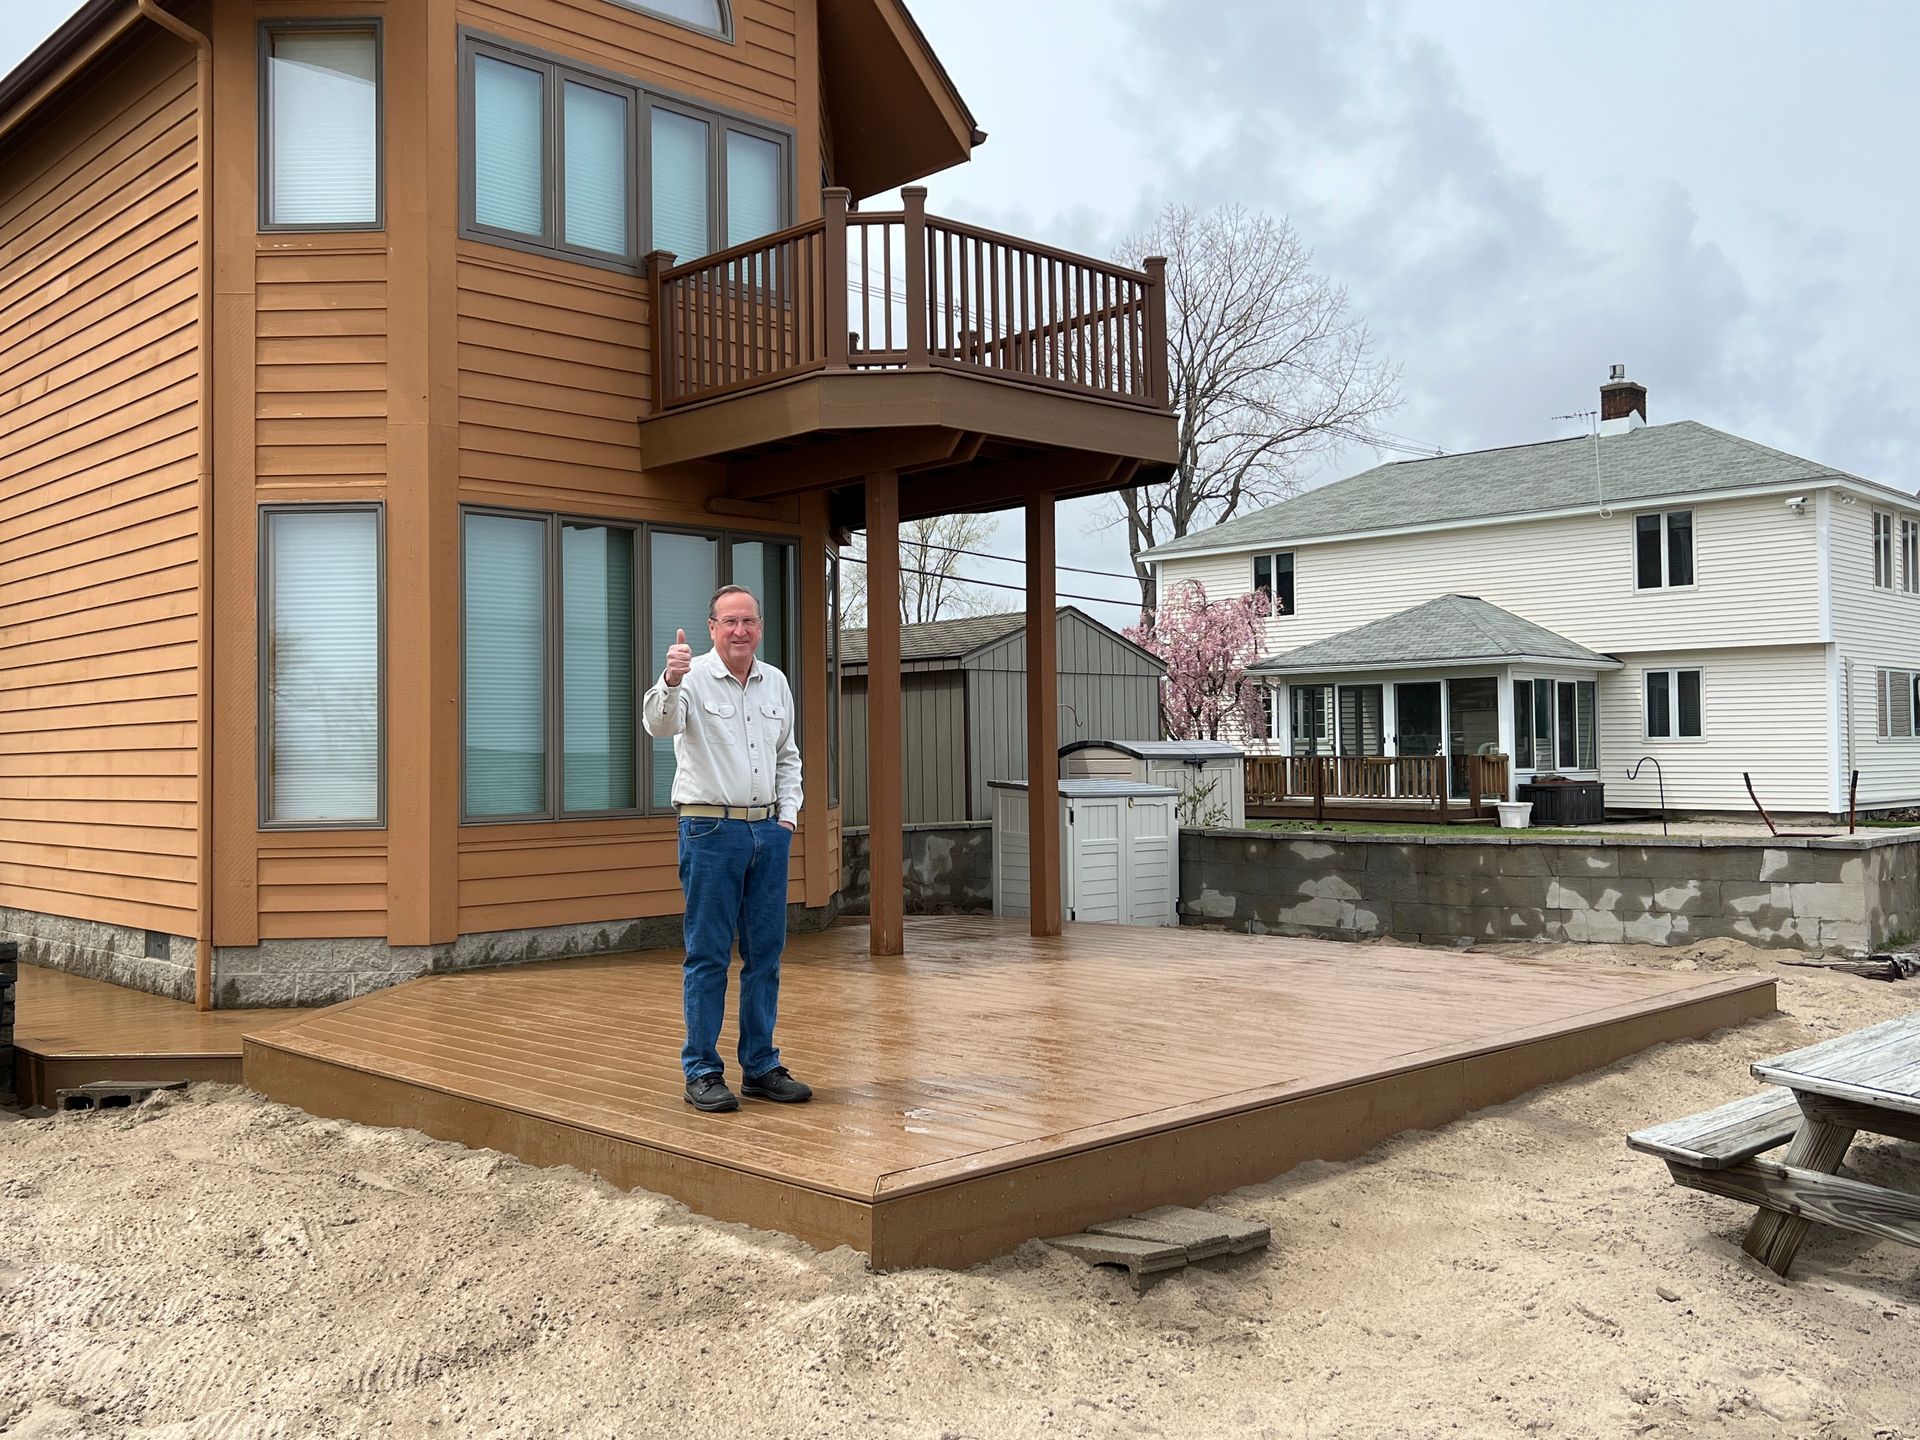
<point>709,15</point>
<point>320,125</point>
<point>1910,556</point>
<point>579,163</point>
<point>1882,550</point>
<point>1663,550</point>
<point>1274,575</point>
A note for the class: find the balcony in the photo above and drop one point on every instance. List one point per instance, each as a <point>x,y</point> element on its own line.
<point>901,342</point>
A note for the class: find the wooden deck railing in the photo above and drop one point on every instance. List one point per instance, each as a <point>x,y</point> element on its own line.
<point>903,291</point>
<point>1409,780</point>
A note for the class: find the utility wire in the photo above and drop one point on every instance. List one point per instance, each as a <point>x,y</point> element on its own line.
<point>1016,560</point>
<point>997,584</point>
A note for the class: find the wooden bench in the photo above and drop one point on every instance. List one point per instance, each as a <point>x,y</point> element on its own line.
<point>1722,1137</point>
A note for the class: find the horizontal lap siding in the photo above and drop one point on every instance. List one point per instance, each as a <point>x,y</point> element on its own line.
<point>99,584</point>
<point>755,73</point>
<point>1758,583</point>
<point>320,433</point>
<point>1763,710</point>
<point>1872,628</point>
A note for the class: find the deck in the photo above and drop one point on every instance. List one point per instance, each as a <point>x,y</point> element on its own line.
<point>989,1087</point>
<point>71,1031</point>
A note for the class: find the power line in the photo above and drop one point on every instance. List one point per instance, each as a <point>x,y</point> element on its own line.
<point>996,584</point>
<point>1015,560</point>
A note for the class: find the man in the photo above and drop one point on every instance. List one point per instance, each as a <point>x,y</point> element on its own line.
<point>737,788</point>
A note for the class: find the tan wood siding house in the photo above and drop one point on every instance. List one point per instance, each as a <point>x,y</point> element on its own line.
<point>391,375</point>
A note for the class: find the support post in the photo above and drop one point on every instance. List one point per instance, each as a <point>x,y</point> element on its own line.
<point>833,280</point>
<point>1043,719</point>
<point>915,264</point>
<point>885,810</point>
<point>665,359</point>
<point>1158,380</point>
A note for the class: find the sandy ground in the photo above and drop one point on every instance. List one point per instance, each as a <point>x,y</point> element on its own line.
<point>211,1265</point>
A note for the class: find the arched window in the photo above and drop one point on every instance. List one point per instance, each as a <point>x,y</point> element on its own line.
<point>708,15</point>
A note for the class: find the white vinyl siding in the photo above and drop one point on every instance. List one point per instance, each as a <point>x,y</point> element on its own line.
<point>1756,580</point>
<point>1875,628</point>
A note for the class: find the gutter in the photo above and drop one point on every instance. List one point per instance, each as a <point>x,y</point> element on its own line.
<point>203,738</point>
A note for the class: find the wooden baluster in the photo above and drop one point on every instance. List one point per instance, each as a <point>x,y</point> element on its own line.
<point>834,280</point>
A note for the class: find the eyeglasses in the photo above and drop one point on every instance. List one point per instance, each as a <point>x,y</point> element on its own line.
<point>751,622</point>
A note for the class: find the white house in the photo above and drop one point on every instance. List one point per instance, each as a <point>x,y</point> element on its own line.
<point>1653,590</point>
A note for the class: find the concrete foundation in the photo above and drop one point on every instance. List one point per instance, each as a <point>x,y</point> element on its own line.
<point>138,959</point>
<point>1849,894</point>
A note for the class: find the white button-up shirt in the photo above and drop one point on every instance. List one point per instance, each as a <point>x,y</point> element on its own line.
<point>732,743</point>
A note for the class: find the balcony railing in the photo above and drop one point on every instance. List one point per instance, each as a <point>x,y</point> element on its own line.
<point>1359,785</point>
<point>905,290</point>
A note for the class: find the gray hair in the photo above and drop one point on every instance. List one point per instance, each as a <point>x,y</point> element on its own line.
<point>726,590</point>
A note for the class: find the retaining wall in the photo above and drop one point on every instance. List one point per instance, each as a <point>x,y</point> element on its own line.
<point>1846,894</point>
<point>948,869</point>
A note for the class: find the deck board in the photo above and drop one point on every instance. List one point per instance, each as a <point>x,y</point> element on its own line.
<point>988,1086</point>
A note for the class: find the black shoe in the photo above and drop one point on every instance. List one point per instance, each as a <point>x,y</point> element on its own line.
<point>777,1085</point>
<point>710,1093</point>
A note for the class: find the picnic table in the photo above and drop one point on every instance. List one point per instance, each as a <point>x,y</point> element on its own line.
<point>1824,1095</point>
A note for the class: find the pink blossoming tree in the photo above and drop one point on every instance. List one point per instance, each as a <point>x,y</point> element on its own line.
<point>1207,646</point>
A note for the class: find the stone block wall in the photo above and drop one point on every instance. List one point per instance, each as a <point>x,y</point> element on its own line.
<point>138,959</point>
<point>948,869</point>
<point>1838,895</point>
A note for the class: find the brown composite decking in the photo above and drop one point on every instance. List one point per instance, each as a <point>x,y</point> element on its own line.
<point>70,1031</point>
<point>989,1087</point>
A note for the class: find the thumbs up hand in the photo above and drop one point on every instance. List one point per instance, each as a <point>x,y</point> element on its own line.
<point>679,658</point>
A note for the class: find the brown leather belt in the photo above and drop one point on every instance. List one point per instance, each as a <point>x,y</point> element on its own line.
<point>728,812</point>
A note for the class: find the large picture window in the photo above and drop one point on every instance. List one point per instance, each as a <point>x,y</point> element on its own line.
<point>566,159</point>
<point>321,166</point>
<point>322,760</point>
<point>553,611</point>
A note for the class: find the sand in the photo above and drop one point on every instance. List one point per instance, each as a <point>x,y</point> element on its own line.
<point>212,1265</point>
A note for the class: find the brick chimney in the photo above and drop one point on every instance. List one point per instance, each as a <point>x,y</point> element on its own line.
<point>1623,403</point>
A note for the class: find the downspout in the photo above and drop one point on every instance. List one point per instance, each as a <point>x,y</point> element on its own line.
<point>203,506</point>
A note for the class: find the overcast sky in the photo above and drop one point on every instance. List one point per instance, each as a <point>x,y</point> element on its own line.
<point>1516,195</point>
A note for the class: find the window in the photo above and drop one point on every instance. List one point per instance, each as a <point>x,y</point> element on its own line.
<point>708,15</point>
<point>1362,723</point>
<point>1673,704</point>
<point>1882,550</point>
<point>322,763</point>
<point>1269,712</point>
<point>1910,556</point>
<point>576,162</point>
<point>553,610</point>
<point>1543,724</point>
<point>320,126</point>
<point>1523,725</point>
<point>1274,575</point>
<point>1312,719</point>
<point>1897,696</point>
<point>833,674</point>
<point>1663,550</point>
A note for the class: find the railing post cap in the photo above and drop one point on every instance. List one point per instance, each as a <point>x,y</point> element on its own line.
<point>913,192</point>
<point>1154,262</point>
<point>837,192</point>
<point>658,260</point>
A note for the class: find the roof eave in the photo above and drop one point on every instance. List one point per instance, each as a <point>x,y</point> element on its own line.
<point>38,78</point>
<point>1279,666</point>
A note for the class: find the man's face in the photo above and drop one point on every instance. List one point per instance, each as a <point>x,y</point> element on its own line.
<point>735,628</point>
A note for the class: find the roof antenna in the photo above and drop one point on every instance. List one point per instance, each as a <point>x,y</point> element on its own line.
<point>1592,417</point>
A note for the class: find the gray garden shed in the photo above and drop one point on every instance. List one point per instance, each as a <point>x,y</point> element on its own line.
<point>963,707</point>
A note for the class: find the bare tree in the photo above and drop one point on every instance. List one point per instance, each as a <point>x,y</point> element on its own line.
<point>931,587</point>
<point>1268,371</point>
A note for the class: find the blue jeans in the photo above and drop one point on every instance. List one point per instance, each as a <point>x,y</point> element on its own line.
<point>734,873</point>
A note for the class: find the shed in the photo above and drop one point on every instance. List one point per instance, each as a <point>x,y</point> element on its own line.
<point>1119,851</point>
<point>963,706</point>
<point>1210,775</point>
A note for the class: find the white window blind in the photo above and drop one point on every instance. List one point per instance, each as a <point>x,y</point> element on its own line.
<point>506,733</point>
<point>509,146</point>
<point>596,167</point>
<point>702,14</point>
<point>597,662</point>
<point>684,572</point>
<point>323,127</point>
<point>322,667</point>
<point>753,187</point>
<point>682,197</point>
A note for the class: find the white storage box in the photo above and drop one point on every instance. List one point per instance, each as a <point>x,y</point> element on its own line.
<point>1209,775</point>
<point>1119,851</point>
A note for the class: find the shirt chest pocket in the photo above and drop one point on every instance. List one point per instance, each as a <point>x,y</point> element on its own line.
<point>774,717</point>
<point>722,723</point>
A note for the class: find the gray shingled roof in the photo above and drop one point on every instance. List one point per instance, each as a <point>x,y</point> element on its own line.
<point>1685,457</point>
<point>1454,628</point>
